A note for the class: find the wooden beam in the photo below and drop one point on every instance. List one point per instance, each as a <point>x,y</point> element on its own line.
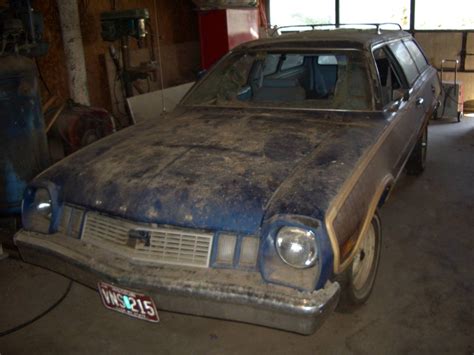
<point>463,52</point>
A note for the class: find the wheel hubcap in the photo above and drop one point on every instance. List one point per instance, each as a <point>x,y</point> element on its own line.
<point>364,259</point>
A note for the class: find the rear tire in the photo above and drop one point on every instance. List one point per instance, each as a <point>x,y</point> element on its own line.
<point>417,161</point>
<point>357,282</point>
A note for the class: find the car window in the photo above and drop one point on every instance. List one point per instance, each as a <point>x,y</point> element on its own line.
<point>388,76</point>
<point>417,55</point>
<point>292,61</point>
<point>321,80</point>
<point>405,60</point>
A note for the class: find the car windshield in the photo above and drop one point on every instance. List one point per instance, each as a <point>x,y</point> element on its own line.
<point>317,80</point>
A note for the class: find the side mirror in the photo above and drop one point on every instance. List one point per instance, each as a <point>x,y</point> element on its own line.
<point>401,94</point>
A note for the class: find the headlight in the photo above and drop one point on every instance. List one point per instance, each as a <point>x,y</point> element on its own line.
<point>37,210</point>
<point>297,247</point>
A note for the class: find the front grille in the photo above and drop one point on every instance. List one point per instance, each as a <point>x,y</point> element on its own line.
<point>166,245</point>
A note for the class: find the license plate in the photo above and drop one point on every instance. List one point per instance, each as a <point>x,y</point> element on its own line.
<point>131,303</point>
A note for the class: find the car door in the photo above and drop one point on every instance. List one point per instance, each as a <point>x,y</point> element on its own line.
<point>431,87</point>
<point>402,97</point>
<point>416,102</point>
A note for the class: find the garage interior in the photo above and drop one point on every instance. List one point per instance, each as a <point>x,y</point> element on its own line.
<point>97,75</point>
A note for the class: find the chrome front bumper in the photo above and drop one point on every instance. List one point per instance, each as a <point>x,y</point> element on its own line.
<point>218,293</point>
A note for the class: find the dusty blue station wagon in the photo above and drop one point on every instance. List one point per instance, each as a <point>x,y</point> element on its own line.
<point>256,199</point>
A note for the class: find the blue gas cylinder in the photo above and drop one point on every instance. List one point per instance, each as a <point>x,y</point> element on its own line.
<point>23,145</point>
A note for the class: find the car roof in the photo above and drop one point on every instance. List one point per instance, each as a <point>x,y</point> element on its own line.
<point>362,39</point>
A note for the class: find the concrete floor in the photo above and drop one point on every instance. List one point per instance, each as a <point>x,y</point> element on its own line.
<point>422,302</point>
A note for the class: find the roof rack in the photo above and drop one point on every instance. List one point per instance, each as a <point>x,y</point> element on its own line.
<point>378,26</point>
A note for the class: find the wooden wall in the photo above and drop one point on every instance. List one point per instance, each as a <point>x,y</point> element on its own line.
<point>448,45</point>
<point>177,22</point>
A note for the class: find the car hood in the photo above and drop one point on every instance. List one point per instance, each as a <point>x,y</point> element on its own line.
<point>202,169</point>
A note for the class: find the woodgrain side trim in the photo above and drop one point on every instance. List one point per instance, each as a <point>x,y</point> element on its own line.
<point>347,188</point>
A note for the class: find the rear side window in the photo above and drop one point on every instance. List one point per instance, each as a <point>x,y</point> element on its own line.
<point>417,55</point>
<point>405,60</point>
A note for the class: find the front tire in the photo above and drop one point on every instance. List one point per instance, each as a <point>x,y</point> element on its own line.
<point>358,280</point>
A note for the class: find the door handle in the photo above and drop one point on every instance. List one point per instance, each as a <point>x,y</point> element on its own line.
<point>433,89</point>
<point>419,101</point>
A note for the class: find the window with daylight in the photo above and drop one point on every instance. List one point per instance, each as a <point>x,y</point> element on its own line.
<point>453,15</point>
<point>302,12</point>
<point>376,11</point>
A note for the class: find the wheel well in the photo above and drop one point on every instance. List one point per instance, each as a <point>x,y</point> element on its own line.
<point>380,196</point>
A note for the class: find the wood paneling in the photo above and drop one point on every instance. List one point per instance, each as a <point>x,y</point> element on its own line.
<point>177,22</point>
<point>180,65</point>
<point>52,64</point>
<point>440,45</point>
<point>448,45</point>
<point>470,51</point>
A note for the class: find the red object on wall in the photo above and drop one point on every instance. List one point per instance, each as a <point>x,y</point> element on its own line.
<point>222,30</point>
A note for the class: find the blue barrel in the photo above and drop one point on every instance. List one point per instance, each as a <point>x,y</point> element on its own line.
<point>23,145</point>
